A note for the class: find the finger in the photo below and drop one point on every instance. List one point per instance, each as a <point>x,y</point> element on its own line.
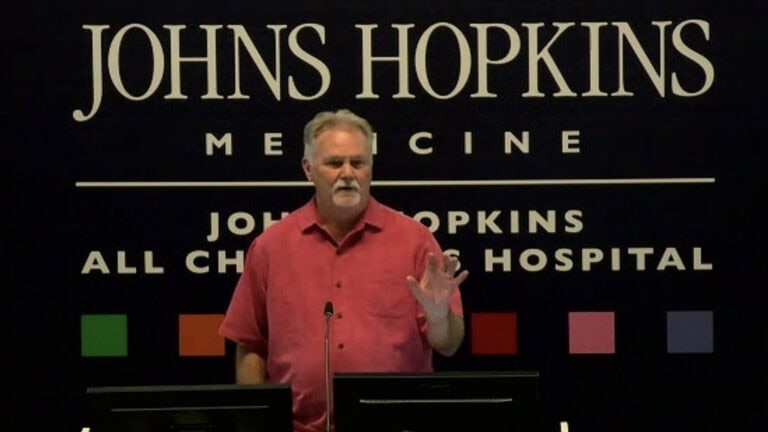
<point>451,264</point>
<point>432,265</point>
<point>416,289</point>
<point>461,277</point>
<point>448,265</point>
<point>414,285</point>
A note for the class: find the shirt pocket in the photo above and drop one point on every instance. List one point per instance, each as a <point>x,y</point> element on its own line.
<point>389,299</point>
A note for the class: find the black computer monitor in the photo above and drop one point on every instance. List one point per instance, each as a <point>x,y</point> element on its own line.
<point>437,402</point>
<point>191,408</point>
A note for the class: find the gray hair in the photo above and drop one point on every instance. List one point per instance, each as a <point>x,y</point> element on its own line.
<point>329,118</point>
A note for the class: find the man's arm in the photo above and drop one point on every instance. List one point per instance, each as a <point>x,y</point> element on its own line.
<point>445,334</point>
<point>250,367</point>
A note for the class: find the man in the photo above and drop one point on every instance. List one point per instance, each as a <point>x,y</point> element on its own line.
<point>395,294</point>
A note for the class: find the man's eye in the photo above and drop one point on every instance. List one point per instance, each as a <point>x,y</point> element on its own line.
<point>334,164</point>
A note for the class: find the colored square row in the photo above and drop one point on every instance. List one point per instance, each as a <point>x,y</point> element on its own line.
<point>107,335</point>
<point>492,333</point>
<point>495,333</point>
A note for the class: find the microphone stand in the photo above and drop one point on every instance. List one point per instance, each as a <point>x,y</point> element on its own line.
<point>328,314</point>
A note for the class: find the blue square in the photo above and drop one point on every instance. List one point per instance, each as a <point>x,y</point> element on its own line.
<point>690,332</point>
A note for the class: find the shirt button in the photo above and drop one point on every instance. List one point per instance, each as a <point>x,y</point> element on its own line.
<point>341,346</point>
<point>338,284</point>
<point>339,315</point>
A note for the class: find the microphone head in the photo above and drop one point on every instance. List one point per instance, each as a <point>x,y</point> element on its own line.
<point>328,308</point>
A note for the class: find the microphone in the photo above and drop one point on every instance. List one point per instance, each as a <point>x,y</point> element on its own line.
<point>328,311</point>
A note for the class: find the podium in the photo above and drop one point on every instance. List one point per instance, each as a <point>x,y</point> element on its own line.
<point>370,402</point>
<point>437,402</point>
<point>191,408</point>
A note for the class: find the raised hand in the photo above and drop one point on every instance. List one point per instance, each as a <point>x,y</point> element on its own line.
<point>436,286</point>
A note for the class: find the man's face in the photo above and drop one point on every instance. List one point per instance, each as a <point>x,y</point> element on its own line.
<point>340,167</point>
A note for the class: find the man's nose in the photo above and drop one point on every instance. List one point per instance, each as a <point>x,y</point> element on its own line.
<point>346,170</point>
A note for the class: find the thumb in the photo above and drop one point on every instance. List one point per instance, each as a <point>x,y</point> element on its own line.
<point>413,284</point>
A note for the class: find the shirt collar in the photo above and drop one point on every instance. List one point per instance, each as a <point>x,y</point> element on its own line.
<point>374,215</point>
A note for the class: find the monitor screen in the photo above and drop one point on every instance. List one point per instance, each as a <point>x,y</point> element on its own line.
<point>437,402</point>
<point>191,408</point>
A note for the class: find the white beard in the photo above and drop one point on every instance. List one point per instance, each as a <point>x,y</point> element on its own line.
<point>347,198</point>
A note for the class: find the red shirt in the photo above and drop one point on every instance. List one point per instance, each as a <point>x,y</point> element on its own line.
<point>293,268</point>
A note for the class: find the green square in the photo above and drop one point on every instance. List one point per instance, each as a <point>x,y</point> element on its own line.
<point>104,335</point>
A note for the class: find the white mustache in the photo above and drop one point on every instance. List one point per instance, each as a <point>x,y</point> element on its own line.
<point>354,185</point>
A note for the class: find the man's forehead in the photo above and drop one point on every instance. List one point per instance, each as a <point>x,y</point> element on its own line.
<point>339,153</point>
<point>342,144</point>
<point>339,127</point>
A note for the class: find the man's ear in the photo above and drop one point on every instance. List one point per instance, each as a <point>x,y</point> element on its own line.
<point>305,166</point>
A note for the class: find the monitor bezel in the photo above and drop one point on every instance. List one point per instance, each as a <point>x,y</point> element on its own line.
<point>173,405</point>
<point>355,395</point>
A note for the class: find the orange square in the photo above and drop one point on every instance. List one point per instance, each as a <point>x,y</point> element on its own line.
<point>199,335</point>
<point>494,333</point>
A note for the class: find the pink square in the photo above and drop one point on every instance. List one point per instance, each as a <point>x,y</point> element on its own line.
<point>591,333</point>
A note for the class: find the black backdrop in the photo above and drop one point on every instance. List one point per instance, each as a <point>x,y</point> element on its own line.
<point>714,141</point>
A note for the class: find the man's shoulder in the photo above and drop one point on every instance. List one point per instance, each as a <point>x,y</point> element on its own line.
<point>402,221</point>
<point>277,230</point>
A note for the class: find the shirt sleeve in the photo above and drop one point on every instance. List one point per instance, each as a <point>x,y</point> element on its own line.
<point>245,321</point>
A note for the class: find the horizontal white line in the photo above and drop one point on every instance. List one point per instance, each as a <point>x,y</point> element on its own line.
<point>191,408</point>
<point>435,401</point>
<point>396,183</point>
